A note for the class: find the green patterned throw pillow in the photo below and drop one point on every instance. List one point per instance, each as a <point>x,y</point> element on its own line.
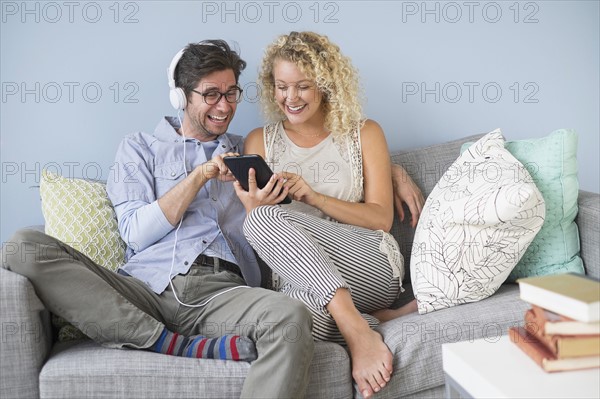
<point>79,213</point>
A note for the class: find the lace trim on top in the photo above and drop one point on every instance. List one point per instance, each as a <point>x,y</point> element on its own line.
<point>389,246</point>
<point>274,143</point>
<point>353,155</point>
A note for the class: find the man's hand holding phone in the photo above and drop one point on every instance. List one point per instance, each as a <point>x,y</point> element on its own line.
<point>216,168</point>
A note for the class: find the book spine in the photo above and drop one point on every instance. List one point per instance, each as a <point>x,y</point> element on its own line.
<point>535,326</point>
<point>555,324</point>
<point>547,315</point>
<point>570,295</point>
<point>561,345</point>
<point>572,328</point>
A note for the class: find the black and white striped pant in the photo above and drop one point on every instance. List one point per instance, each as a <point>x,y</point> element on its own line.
<point>315,257</point>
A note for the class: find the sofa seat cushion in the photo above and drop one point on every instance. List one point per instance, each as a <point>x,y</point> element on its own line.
<point>416,339</point>
<point>84,369</point>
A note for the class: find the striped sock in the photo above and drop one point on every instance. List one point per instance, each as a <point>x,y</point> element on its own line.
<point>226,347</point>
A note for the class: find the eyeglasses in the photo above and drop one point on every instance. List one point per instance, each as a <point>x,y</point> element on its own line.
<point>212,97</point>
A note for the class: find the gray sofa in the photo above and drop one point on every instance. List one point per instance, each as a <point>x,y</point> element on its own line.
<point>32,365</point>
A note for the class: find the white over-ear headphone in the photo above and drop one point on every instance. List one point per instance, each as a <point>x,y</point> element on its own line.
<point>176,94</point>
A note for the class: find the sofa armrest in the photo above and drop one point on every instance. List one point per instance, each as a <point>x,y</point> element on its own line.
<point>26,336</point>
<point>588,221</point>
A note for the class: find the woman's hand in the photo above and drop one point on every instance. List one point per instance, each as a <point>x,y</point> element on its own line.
<point>299,190</point>
<point>406,191</point>
<point>272,193</point>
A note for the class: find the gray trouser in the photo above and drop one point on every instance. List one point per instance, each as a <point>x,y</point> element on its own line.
<point>121,311</point>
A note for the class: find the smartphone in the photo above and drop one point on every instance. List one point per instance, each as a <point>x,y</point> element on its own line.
<point>240,165</point>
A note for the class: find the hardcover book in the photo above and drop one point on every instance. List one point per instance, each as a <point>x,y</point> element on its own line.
<point>562,346</point>
<point>554,323</point>
<point>572,295</point>
<point>546,359</point>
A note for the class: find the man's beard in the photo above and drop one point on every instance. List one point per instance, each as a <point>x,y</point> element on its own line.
<point>204,132</point>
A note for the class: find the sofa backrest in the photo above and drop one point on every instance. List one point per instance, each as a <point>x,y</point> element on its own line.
<point>426,166</point>
<point>588,222</point>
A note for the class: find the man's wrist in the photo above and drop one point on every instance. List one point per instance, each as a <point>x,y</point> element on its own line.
<point>202,173</point>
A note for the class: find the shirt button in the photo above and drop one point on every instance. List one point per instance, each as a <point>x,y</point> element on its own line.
<point>214,198</point>
<point>185,263</point>
<point>172,174</point>
<point>222,145</point>
<point>203,241</point>
<point>198,143</point>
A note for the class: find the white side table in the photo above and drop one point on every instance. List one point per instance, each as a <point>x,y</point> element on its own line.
<point>497,368</point>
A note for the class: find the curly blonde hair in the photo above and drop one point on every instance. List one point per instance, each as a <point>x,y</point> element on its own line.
<point>322,61</point>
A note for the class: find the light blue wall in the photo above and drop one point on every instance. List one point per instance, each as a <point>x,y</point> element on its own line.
<point>77,76</point>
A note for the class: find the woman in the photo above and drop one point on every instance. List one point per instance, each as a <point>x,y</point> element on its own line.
<point>330,247</point>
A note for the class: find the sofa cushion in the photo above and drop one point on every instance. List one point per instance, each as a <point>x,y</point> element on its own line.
<point>87,370</point>
<point>416,340</point>
<point>475,226</point>
<point>25,341</point>
<point>588,221</point>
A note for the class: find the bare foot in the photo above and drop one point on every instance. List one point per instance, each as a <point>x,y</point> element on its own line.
<point>371,362</point>
<point>384,315</point>
<point>371,359</point>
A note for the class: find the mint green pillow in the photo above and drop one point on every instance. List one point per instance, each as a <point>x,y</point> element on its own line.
<point>552,164</point>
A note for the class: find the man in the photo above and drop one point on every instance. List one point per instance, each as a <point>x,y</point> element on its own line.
<point>183,287</point>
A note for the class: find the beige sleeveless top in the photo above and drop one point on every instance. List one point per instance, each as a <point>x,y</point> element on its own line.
<point>333,167</point>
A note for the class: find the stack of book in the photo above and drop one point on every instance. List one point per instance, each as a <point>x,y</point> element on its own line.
<point>562,328</point>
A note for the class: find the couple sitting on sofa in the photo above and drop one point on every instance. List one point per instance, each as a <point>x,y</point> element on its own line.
<point>182,219</point>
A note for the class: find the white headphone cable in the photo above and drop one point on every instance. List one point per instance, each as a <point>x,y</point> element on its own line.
<point>175,243</point>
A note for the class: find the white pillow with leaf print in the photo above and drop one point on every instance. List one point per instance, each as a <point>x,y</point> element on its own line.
<point>475,226</point>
